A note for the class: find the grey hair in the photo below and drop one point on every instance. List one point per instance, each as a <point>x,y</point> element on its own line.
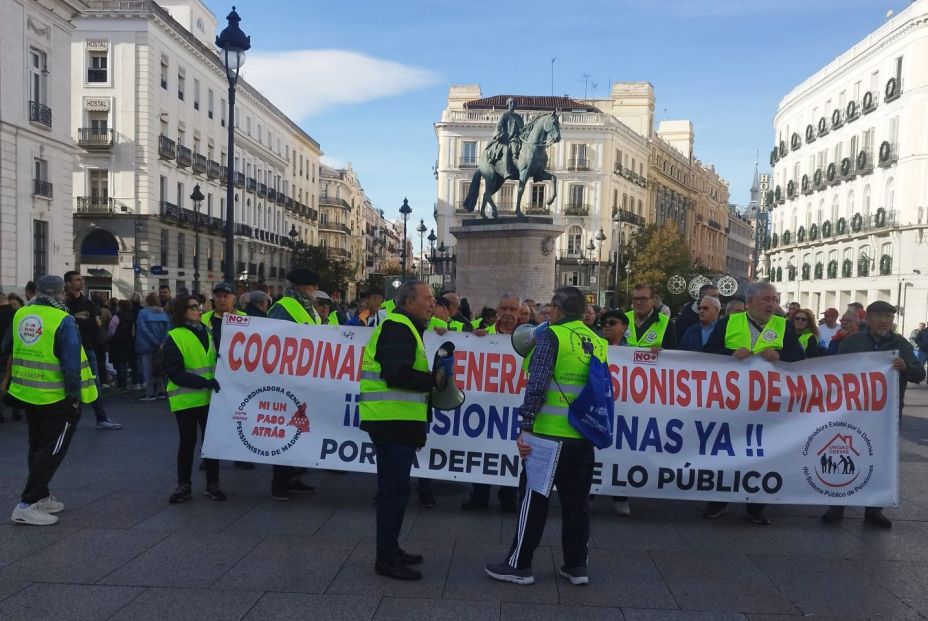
<point>731,304</point>
<point>570,301</point>
<point>755,289</point>
<point>406,293</point>
<point>711,301</point>
<point>511,296</point>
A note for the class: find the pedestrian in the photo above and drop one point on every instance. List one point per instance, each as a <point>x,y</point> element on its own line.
<point>29,291</point>
<point>49,377</point>
<point>850,324</point>
<point>695,337</point>
<point>758,331</point>
<point>223,302</point>
<point>921,341</point>
<point>190,365</point>
<point>589,317</point>
<point>325,308</point>
<point>396,381</point>
<point>527,314</point>
<point>103,342</point>
<point>543,414</point>
<point>615,326</point>
<point>164,297</point>
<point>879,336</point>
<point>827,328</point>
<point>647,327</point>
<point>87,316</point>
<point>807,332</point>
<point>298,306</point>
<point>151,331</point>
<point>121,331</point>
<point>456,311</point>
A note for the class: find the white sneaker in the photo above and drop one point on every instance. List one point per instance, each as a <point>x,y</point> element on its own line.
<point>33,515</point>
<point>50,505</point>
<point>622,508</point>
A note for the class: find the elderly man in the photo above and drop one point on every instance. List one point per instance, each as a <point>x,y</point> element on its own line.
<point>827,328</point>
<point>690,315</point>
<point>696,336</point>
<point>879,336</point>
<point>325,306</point>
<point>223,302</point>
<point>647,327</point>
<point>757,332</point>
<point>454,309</point>
<point>257,304</point>
<point>850,324</point>
<point>733,307</point>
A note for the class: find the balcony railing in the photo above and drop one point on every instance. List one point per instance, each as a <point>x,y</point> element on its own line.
<point>199,163</point>
<point>170,210</point>
<point>334,202</point>
<point>95,137</point>
<point>537,209</point>
<point>715,225</point>
<point>41,188</point>
<point>333,226</point>
<point>214,170</point>
<point>271,194</point>
<point>96,75</point>
<point>242,229</point>
<point>281,198</point>
<point>623,215</point>
<point>100,205</point>
<point>578,163</point>
<point>262,189</point>
<point>250,184</point>
<point>166,148</point>
<point>338,253</point>
<point>576,209</point>
<point>40,114</point>
<point>467,162</point>
<point>239,180</point>
<point>184,156</point>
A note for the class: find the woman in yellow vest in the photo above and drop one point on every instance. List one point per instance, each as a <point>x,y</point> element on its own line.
<point>807,331</point>
<point>190,362</point>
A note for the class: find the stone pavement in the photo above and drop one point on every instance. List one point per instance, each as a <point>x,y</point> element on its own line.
<point>121,551</point>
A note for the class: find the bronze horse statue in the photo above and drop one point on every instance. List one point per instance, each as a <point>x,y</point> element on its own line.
<point>539,133</point>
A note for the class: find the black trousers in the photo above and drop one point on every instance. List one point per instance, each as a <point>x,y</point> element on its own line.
<point>50,430</point>
<point>394,463</point>
<point>573,479</point>
<point>480,494</point>
<point>282,476</point>
<point>187,422</point>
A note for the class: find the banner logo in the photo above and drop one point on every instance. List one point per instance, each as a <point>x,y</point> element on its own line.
<point>238,320</point>
<point>769,336</point>
<point>839,459</point>
<point>270,420</point>
<point>645,357</point>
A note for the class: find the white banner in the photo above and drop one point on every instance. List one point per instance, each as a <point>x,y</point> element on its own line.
<point>688,425</point>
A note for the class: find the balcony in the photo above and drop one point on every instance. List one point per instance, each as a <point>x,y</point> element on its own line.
<point>242,229</point>
<point>41,188</point>
<point>184,156</point>
<point>578,164</point>
<point>40,114</point>
<point>250,184</point>
<point>623,215</point>
<point>262,189</point>
<point>214,170</point>
<point>537,209</point>
<point>334,202</point>
<point>101,205</point>
<point>618,169</point>
<point>289,203</point>
<point>715,225</point>
<point>92,138</point>
<point>271,194</point>
<point>281,198</point>
<point>166,148</point>
<point>170,210</point>
<point>335,227</point>
<point>199,163</point>
<point>576,209</point>
<point>338,253</point>
<point>239,180</point>
<point>467,162</point>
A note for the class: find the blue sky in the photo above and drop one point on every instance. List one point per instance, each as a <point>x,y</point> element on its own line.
<point>369,79</point>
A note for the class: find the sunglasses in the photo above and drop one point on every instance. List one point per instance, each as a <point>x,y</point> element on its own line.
<point>611,322</point>
<point>193,307</point>
<point>806,319</point>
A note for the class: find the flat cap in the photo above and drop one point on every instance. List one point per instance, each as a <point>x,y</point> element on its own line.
<point>223,287</point>
<point>322,295</point>
<point>302,276</point>
<point>50,284</point>
<point>881,307</point>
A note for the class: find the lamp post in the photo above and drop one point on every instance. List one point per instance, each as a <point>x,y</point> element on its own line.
<point>590,247</point>
<point>431,239</point>
<point>197,197</point>
<point>600,237</point>
<point>421,230</point>
<point>233,43</point>
<point>294,236</point>
<point>405,210</point>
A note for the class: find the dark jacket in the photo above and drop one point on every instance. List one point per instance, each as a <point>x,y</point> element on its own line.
<point>253,311</point>
<point>813,350</point>
<point>174,361</point>
<point>6,318</point>
<point>863,341</point>
<point>396,353</point>
<point>122,344</point>
<point>692,338</point>
<point>687,317</point>
<point>791,352</point>
<point>87,327</point>
<point>670,336</point>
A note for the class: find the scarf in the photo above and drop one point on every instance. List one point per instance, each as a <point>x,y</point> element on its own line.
<point>49,300</point>
<point>305,301</point>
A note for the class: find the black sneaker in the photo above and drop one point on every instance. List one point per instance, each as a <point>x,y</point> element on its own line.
<point>875,517</point>
<point>577,576</point>
<point>757,516</point>
<point>715,510</point>
<point>427,500</point>
<point>181,494</point>
<point>397,570</point>
<point>506,573</point>
<point>281,495</point>
<point>213,491</point>
<point>298,486</point>
<point>833,515</point>
<point>410,559</point>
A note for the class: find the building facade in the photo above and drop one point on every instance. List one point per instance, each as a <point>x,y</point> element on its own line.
<point>150,117</point>
<point>739,256</point>
<point>36,145</point>
<point>848,203</point>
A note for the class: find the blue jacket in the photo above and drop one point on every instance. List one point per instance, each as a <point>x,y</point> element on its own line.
<point>151,330</point>
<point>691,340</point>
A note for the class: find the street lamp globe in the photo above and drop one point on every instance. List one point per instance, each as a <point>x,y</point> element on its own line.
<point>601,236</point>
<point>233,43</point>
<point>432,238</point>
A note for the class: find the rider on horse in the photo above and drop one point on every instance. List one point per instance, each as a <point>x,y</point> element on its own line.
<point>507,142</point>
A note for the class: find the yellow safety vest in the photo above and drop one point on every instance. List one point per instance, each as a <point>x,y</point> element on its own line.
<point>35,372</point>
<point>654,337</point>
<point>804,340</point>
<point>378,400</point>
<point>198,361</point>
<point>476,323</point>
<point>738,333</point>
<point>333,318</point>
<point>208,316</point>
<point>435,322</point>
<point>296,311</point>
<point>456,326</point>
<point>571,370</point>
<point>388,306</point>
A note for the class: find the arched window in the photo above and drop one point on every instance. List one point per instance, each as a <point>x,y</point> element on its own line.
<point>99,247</point>
<point>574,241</point>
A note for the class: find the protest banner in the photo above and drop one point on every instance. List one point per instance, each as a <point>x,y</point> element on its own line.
<point>688,425</point>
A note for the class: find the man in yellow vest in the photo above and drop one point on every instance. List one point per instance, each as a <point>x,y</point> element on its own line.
<point>396,382</point>
<point>758,331</point>
<point>558,369</point>
<point>48,376</point>
<point>647,326</point>
<point>223,302</point>
<point>325,307</point>
<point>296,305</point>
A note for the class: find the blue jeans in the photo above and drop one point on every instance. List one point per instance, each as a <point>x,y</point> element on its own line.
<point>97,404</point>
<point>394,462</point>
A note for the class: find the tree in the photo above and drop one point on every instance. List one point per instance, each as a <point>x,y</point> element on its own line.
<point>656,254</point>
<point>334,274</point>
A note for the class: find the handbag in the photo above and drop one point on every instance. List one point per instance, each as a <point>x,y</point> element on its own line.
<point>592,413</point>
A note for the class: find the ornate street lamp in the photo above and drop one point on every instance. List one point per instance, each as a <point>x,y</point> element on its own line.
<point>431,239</point>
<point>421,230</point>
<point>405,210</point>
<point>600,237</point>
<point>233,43</point>
<point>197,197</point>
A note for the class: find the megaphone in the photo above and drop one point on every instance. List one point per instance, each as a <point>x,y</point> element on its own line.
<point>450,397</point>
<point>524,337</point>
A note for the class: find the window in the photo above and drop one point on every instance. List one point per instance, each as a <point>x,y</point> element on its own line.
<point>164,248</point>
<point>898,70</point>
<point>574,240</point>
<point>99,185</point>
<point>96,67</point>
<point>180,195</point>
<point>196,94</point>
<point>38,73</point>
<point>209,205</point>
<point>209,103</point>
<point>164,72</point>
<point>893,130</point>
<point>180,84</point>
<point>578,157</point>
<point>222,112</point>
<point>209,256</point>
<point>577,194</point>
<point>39,248</point>
<point>538,195</point>
<point>180,250</point>
<point>469,153</point>
<point>40,184</point>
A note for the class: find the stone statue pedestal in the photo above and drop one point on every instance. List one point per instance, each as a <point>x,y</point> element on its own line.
<point>506,255</point>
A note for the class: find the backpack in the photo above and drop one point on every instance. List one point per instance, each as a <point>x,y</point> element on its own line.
<point>592,413</point>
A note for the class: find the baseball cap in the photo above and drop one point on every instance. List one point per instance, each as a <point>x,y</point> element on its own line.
<point>223,287</point>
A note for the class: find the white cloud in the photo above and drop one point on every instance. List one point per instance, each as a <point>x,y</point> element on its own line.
<point>303,83</point>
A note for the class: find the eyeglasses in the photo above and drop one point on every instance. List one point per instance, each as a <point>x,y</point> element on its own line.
<point>806,319</point>
<point>640,299</point>
<point>193,307</point>
<point>611,322</point>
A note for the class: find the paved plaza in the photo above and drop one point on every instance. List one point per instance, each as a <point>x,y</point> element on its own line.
<point>121,551</point>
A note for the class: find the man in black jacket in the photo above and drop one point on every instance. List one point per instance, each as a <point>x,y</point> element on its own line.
<point>87,316</point>
<point>690,314</point>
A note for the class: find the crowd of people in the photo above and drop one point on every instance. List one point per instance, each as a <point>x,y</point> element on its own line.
<point>60,349</point>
